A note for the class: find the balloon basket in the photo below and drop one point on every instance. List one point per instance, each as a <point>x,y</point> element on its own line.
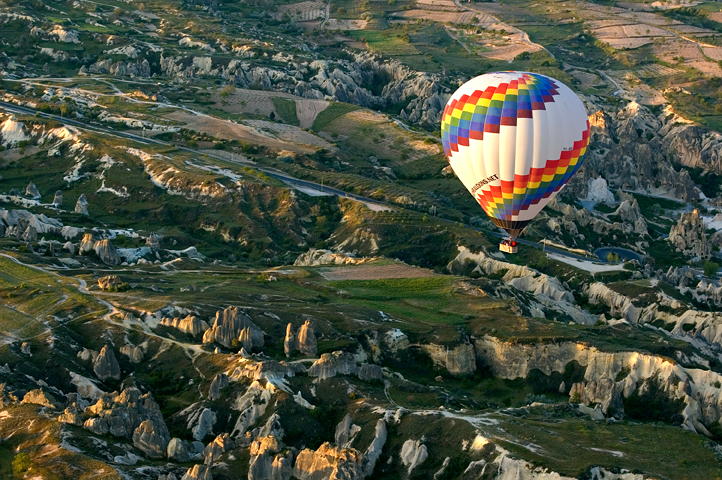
<point>509,246</point>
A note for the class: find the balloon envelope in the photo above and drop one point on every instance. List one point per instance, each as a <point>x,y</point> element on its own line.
<point>514,139</point>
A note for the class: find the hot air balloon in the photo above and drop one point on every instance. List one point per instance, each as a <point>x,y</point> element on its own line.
<point>514,139</point>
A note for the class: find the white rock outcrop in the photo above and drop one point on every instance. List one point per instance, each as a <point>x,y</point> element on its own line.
<point>304,340</point>
<point>688,236</point>
<point>697,388</point>
<point>413,453</point>
<point>106,365</point>
<point>457,360</point>
<point>315,257</point>
<point>232,324</point>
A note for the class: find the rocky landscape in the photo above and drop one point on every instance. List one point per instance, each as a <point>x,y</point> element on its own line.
<point>231,246</point>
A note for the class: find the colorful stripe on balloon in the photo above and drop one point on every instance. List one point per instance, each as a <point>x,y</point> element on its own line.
<point>470,116</point>
<point>484,112</point>
<point>504,203</point>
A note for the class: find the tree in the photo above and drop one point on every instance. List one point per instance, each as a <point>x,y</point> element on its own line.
<point>21,464</point>
<point>228,90</point>
<point>710,268</point>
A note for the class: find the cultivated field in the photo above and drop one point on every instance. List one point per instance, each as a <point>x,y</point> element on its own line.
<point>340,24</point>
<point>375,272</point>
<point>302,11</point>
<point>227,130</point>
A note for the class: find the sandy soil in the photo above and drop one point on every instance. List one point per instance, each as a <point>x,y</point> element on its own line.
<point>337,24</point>
<point>444,17</point>
<point>288,133</point>
<point>669,4</point>
<point>695,31</point>
<point>675,48</point>
<point>509,52</point>
<point>439,5</point>
<point>708,68</point>
<point>655,70</point>
<point>233,131</point>
<point>392,144</point>
<point>650,18</point>
<point>620,43</point>
<point>261,103</point>
<point>245,101</point>
<point>376,272</point>
<point>715,53</point>
<point>310,25</point>
<point>607,22</point>
<point>307,110</point>
<point>631,31</point>
<point>716,16</point>
<point>14,154</point>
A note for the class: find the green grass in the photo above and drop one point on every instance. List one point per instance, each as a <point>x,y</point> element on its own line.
<point>386,42</point>
<point>332,112</point>
<point>395,288</point>
<point>661,451</point>
<point>286,108</point>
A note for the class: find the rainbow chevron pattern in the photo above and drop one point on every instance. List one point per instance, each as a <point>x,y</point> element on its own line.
<point>480,113</point>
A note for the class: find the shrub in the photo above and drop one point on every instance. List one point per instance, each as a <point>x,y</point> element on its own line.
<point>21,464</point>
<point>710,268</point>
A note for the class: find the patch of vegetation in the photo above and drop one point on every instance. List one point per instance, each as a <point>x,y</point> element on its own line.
<point>332,112</point>
<point>652,403</point>
<point>286,108</point>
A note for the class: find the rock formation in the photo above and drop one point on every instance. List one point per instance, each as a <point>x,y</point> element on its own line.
<point>373,452</point>
<point>191,324</point>
<point>345,431</point>
<point>103,248</point>
<point>58,199</point>
<point>32,191</point>
<point>71,417</point>
<point>289,342</point>
<point>261,466</point>
<point>129,415</point>
<point>134,353</point>
<point>413,453</point>
<point>369,372</point>
<point>204,425</point>
<point>106,365</point>
<point>630,214</point>
<point>633,149</point>
<point>604,392</point>
<point>689,236</point>
<point>304,341</point>
<point>152,438</point>
<point>40,397</point>
<point>598,191</point>
<point>81,206</point>
<point>458,360</point>
<point>315,257</point>
<point>182,451</point>
<point>220,381</point>
<point>328,462</point>
<point>628,370</point>
<point>198,472</point>
<point>153,241</point>
<point>332,364</point>
<point>217,447</point>
<point>109,281</point>
<point>229,325</point>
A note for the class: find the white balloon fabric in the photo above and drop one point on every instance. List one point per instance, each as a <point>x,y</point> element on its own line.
<point>514,139</point>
